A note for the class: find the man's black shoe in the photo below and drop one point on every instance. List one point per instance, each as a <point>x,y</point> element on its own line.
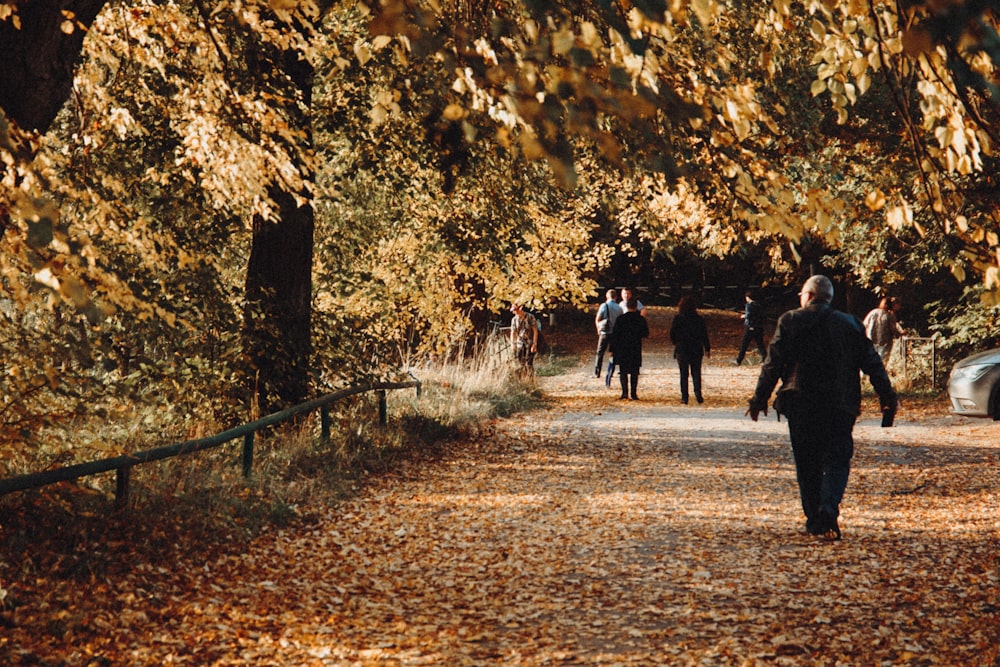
<point>832,532</point>
<point>827,526</point>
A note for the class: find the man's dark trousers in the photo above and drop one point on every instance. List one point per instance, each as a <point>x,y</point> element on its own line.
<point>755,334</point>
<point>823,445</point>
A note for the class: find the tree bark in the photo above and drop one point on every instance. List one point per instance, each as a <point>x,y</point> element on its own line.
<point>37,61</point>
<point>278,311</point>
<point>37,65</point>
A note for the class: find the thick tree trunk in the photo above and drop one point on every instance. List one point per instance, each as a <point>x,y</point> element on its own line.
<point>37,60</point>
<point>37,64</point>
<point>278,312</point>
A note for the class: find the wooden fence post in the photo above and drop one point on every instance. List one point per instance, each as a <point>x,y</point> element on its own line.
<point>324,424</point>
<point>122,477</point>
<point>247,453</point>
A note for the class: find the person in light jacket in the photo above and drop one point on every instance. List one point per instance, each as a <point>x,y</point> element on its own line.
<point>605,319</point>
<point>524,339</point>
<point>883,328</point>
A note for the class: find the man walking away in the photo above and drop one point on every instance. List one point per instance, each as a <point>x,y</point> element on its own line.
<point>627,294</point>
<point>817,353</point>
<point>607,313</point>
<point>689,334</point>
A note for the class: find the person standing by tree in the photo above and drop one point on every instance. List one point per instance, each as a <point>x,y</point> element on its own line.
<point>626,346</point>
<point>524,339</point>
<point>607,313</point>
<point>753,327</point>
<point>883,328</point>
<point>817,352</point>
<point>689,334</point>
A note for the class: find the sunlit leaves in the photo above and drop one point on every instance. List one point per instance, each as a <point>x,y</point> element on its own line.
<point>875,200</point>
<point>900,216</point>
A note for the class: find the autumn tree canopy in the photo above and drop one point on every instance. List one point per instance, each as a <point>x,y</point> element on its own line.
<point>246,195</point>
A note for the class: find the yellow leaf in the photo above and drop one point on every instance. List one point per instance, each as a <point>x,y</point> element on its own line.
<point>454,112</point>
<point>703,9</point>
<point>864,82</point>
<point>530,147</point>
<point>817,30</point>
<point>74,290</point>
<point>563,41</point>
<point>875,200</point>
<point>362,52</point>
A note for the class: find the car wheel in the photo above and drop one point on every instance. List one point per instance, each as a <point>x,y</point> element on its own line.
<point>995,403</point>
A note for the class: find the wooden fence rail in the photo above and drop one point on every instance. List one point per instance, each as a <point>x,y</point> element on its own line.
<point>123,464</point>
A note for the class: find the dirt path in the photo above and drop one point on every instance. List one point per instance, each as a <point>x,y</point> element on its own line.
<point>601,532</point>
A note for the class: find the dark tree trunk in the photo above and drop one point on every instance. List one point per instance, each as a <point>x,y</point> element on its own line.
<point>278,312</point>
<point>37,64</point>
<point>37,61</point>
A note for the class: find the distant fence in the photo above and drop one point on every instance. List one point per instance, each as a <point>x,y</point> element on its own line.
<point>920,361</point>
<point>123,464</point>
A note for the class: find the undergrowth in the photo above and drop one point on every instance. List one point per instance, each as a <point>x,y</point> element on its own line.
<point>202,502</point>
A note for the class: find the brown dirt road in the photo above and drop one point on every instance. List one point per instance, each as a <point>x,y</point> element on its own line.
<point>600,532</point>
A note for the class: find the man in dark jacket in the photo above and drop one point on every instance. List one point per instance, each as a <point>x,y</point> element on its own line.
<point>753,327</point>
<point>817,353</point>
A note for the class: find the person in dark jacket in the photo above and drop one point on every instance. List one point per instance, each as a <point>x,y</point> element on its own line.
<point>689,335</point>
<point>626,346</point>
<point>753,327</point>
<point>818,353</point>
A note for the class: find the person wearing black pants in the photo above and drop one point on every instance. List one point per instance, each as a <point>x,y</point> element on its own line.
<point>689,335</point>
<point>626,346</point>
<point>819,353</point>
<point>753,327</point>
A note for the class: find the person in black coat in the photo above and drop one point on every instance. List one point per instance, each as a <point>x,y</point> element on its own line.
<point>819,353</point>
<point>753,328</point>
<point>626,346</point>
<point>689,335</point>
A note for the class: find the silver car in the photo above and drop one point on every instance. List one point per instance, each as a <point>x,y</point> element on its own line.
<point>974,385</point>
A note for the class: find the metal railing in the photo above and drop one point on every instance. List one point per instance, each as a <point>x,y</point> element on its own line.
<point>920,358</point>
<point>123,464</point>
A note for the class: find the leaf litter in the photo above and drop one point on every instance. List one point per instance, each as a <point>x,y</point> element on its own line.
<point>595,532</point>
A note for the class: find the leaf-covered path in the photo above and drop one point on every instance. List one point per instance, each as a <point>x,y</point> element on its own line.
<point>599,532</point>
